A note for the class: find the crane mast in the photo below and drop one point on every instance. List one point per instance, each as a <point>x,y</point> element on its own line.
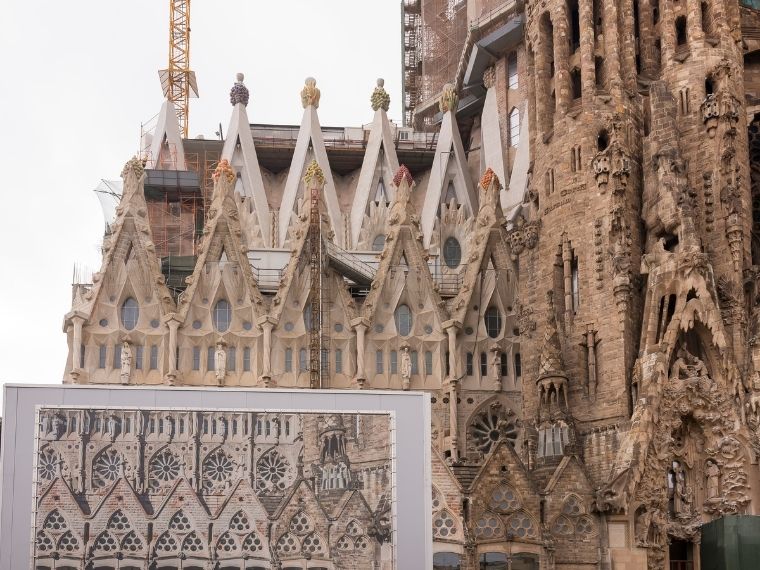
<point>178,81</point>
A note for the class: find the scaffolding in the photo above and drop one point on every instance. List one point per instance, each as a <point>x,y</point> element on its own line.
<point>412,57</point>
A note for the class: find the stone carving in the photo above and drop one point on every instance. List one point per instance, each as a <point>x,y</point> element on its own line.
<point>406,368</point>
<point>220,363</point>
<point>489,77</point>
<point>223,172</point>
<point>314,173</point>
<point>525,322</point>
<point>712,473</point>
<point>126,362</point>
<point>496,368</point>
<point>523,235</point>
<point>135,165</point>
<point>239,92</point>
<point>310,93</point>
<point>380,98</point>
<point>449,99</point>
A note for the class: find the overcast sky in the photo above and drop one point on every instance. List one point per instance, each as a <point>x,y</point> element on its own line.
<point>77,79</point>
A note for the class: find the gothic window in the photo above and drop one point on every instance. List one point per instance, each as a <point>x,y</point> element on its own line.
<point>491,426</point>
<point>138,357</point>
<point>307,317</point>
<point>585,526</point>
<point>512,77</point>
<point>68,542</point>
<point>503,364</point>
<point>415,362</point>
<point>301,523</point>
<point>222,316</point>
<point>55,522</point>
<point>131,543</point>
<point>575,25</point>
<point>252,543</point>
<point>196,358</point>
<point>520,525</point>
<point>119,523</point>
<point>428,362</point>
<point>345,543</point>
<point>166,544</point>
<point>492,321</point>
<point>192,544</point>
<point>338,361</point>
<point>288,360</point>
<point>361,543</point>
<point>437,499</point>
<point>681,36</point>
<point>483,364</point>
<point>210,359</point>
<point>247,359</point>
<point>468,364</point>
<point>572,506</point>
<point>226,544</point>
<point>231,358</point>
<point>313,544</point>
<point>164,468</point>
<point>444,525</point>
<point>180,522</point>
<point>403,318</point>
<point>217,469</point>
<point>380,194</point>
<point>43,542</point>
<point>288,544</point>
<point>105,543</point>
<point>102,356</point>
<point>514,127</point>
<point>378,362</point>
<point>599,72</point>
<point>153,357</point>
<point>130,312</point>
<point>489,526</point>
<point>504,499</point>
<point>394,362</point>
<point>303,361</point>
<point>353,528</point>
<point>273,473</point>
<point>106,468</point>
<point>240,523</point>
<point>452,252</point>
<point>47,463</point>
<point>563,527</point>
<point>518,365</point>
<point>447,561</point>
<point>575,83</point>
<point>378,243</point>
<point>117,356</point>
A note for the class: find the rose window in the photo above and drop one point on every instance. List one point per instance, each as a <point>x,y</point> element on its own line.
<point>47,463</point>
<point>287,544</point>
<point>313,544</point>
<point>119,522</point>
<point>444,525</point>
<point>300,523</point>
<point>252,543</point>
<point>353,529</point>
<point>166,543</point>
<point>55,522</point>
<point>192,543</point>
<point>240,523</point>
<point>180,522</point>
<point>272,472</point>
<point>226,543</point>
<point>488,526</point>
<point>131,543</point>
<point>585,526</point>
<point>362,543</point>
<point>504,499</point>
<point>572,507</point>
<point>43,542</point>
<point>68,542</point>
<point>562,527</point>
<point>490,427</point>
<point>106,468</point>
<point>217,469</point>
<point>521,526</point>
<point>164,468</point>
<point>105,543</point>
<point>345,543</point>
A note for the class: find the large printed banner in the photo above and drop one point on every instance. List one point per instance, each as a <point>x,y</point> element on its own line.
<point>195,479</point>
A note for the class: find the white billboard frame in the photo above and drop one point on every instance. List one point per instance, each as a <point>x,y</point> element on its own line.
<point>409,412</point>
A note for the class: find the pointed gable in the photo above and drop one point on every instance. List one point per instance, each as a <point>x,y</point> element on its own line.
<point>379,165</point>
<point>240,151</point>
<point>223,247</point>
<point>166,149</point>
<point>449,165</point>
<point>310,144</point>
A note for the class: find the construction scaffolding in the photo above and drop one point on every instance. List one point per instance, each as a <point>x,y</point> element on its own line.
<point>434,34</point>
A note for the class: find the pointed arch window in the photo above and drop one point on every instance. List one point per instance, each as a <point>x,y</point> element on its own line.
<point>403,320</point>
<point>130,312</point>
<point>452,252</point>
<point>514,127</point>
<point>222,316</point>
<point>512,77</point>
<point>451,193</point>
<point>492,320</point>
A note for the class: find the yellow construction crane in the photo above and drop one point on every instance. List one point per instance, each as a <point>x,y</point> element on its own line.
<point>178,82</point>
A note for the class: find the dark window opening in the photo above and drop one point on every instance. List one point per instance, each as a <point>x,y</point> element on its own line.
<point>504,364</point>
<point>636,34</point>
<point>483,364</point>
<point>681,554</point>
<point>575,25</point>
<point>706,19</point>
<point>655,11</point>
<point>681,31</point>
<point>575,83</point>
<point>518,365</point>
<point>468,364</point>
<point>599,72</point>
<point>709,87</point>
<point>602,140</point>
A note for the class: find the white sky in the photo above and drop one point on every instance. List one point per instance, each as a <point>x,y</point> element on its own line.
<point>77,79</point>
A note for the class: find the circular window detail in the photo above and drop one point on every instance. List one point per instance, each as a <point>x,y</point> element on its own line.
<point>452,253</point>
<point>338,327</point>
<point>43,542</point>
<point>378,243</point>
<point>521,526</point>
<point>468,330</point>
<point>444,526</point>
<point>240,522</point>
<point>217,469</point>
<point>492,426</point>
<point>130,312</point>
<point>492,320</point>
<point>489,526</point>
<point>131,543</point>
<point>222,315</point>
<point>379,328</point>
<point>504,499</point>
<point>403,318</point>
<point>163,469</point>
<point>166,543</point>
<point>47,464</point>
<point>301,523</point>
<point>428,329</point>
<point>103,322</point>
<point>252,543</point>
<point>154,323</point>
<point>179,522</point>
<point>196,324</point>
<point>247,325</point>
<point>272,473</point>
<point>289,327</point>
<point>226,543</point>
<point>106,468</point>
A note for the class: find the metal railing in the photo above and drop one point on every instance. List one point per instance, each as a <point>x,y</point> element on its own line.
<point>349,264</point>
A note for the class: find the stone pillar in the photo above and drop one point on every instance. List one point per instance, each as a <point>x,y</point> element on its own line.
<point>452,328</point>
<point>360,325</point>
<point>266,324</point>
<point>77,322</point>
<point>173,324</point>
<point>452,388</point>
<point>562,87</point>
<point>567,273</point>
<point>587,39</point>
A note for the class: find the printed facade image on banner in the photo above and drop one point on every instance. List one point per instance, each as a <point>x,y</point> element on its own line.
<point>243,490</point>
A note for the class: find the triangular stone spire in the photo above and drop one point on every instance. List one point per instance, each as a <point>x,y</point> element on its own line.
<point>491,128</point>
<point>550,359</point>
<point>450,163</point>
<point>380,161</point>
<point>240,151</point>
<point>310,143</point>
<point>166,149</point>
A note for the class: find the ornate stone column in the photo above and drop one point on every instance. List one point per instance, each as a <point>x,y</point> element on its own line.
<point>452,328</point>
<point>77,322</point>
<point>360,325</point>
<point>173,323</point>
<point>266,324</point>
<point>452,388</point>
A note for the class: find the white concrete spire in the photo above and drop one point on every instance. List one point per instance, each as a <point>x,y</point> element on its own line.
<point>166,149</point>
<point>240,151</point>
<point>490,128</point>
<point>310,140</point>
<point>376,165</point>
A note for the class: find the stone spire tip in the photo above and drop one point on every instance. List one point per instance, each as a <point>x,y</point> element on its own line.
<point>239,92</point>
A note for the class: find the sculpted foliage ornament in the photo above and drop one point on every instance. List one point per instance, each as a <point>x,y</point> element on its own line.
<point>310,93</point>
<point>239,92</point>
<point>224,171</point>
<point>314,174</point>
<point>380,98</point>
<point>522,235</point>
<point>135,165</point>
<point>449,99</point>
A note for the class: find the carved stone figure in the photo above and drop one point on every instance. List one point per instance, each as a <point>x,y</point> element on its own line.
<point>687,366</point>
<point>712,472</point>
<point>406,368</point>
<point>126,362</point>
<point>220,363</point>
<point>496,369</point>
<point>680,493</point>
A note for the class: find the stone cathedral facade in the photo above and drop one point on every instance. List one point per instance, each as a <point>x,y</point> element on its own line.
<point>564,253</point>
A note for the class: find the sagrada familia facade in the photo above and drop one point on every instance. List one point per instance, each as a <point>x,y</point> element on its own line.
<point>560,245</point>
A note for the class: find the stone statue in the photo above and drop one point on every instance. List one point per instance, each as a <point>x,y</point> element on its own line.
<point>126,362</point>
<point>310,94</point>
<point>496,369</point>
<point>712,471</point>
<point>687,366</point>
<point>680,494</point>
<point>220,362</point>
<point>406,368</point>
